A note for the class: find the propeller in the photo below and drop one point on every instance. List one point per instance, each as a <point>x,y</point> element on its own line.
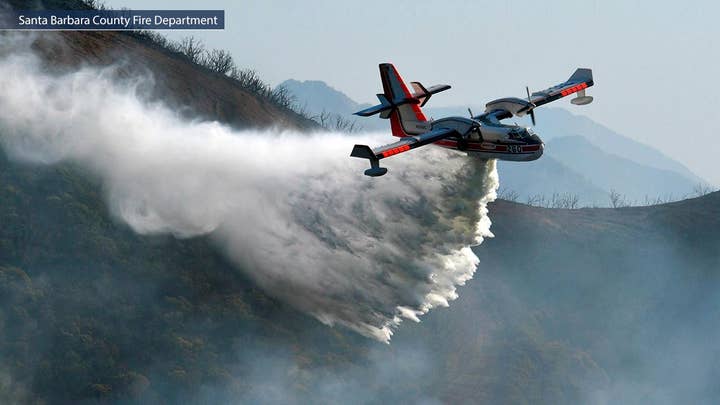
<point>470,111</point>
<point>532,110</point>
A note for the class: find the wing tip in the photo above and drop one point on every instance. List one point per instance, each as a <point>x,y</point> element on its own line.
<point>582,75</point>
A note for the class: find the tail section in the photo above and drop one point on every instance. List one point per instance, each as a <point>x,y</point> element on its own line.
<point>407,119</point>
<point>400,105</point>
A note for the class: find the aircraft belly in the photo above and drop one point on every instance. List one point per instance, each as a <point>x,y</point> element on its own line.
<point>513,157</point>
<point>491,150</point>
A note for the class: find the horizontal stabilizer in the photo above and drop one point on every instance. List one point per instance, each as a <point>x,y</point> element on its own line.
<point>362,151</point>
<point>423,94</point>
<point>386,105</point>
<point>383,106</point>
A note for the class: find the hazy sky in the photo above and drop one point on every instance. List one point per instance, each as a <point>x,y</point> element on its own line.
<point>654,62</point>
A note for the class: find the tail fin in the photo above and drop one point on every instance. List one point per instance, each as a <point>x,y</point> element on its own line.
<point>400,105</point>
<point>406,119</point>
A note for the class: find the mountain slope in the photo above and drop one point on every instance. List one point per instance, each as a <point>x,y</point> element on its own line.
<point>633,288</point>
<point>190,89</point>
<point>316,96</point>
<point>585,306</point>
<point>543,178</point>
<point>558,122</point>
<point>90,310</point>
<point>561,300</point>
<point>154,72</point>
<point>639,183</point>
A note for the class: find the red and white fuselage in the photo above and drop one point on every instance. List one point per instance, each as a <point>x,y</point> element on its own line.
<point>483,136</point>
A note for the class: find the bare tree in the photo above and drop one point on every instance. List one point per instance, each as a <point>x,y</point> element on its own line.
<point>702,189</point>
<point>220,61</point>
<point>656,201</point>
<point>95,4</point>
<point>248,79</point>
<point>282,97</point>
<point>566,200</point>
<point>344,125</point>
<point>537,200</point>
<point>323,118</point>
<point>509,195</point>
<point>302,110</point>
<point>157,38</point>
<point>575,202</point>
<point>555,201</point>
<point>192,48</point>
<point>335,122</point>
<point>617,200</point>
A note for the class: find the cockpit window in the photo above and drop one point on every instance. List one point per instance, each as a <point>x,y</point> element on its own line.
<point>515,133</point>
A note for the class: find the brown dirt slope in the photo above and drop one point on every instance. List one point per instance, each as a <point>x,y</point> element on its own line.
<point>192,89</point>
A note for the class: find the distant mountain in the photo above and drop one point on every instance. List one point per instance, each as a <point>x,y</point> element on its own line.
<point>317,97</point>
<point>558,122</point>
<point>529,182</point>
<point>636,182</point>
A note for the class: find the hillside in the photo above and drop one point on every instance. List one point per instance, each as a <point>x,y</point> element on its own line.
<point>566,307</point>
<point>88,309</point>
<point>192,90</point>
<point>188,88</point>
<point>634,288</point>
<point>585,306</point>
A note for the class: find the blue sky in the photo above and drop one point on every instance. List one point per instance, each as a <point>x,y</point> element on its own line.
<point>654,62</point>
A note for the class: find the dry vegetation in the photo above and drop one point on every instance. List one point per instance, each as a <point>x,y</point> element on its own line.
<point>615,198</point>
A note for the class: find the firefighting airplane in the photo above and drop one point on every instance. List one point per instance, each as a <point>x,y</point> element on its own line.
<point>482,135</point>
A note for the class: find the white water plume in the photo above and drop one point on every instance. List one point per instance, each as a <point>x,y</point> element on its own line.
<point>292,210</point>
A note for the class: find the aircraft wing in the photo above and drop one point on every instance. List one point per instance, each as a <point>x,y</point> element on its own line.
<point>577,83</point>
<point>403,145</point>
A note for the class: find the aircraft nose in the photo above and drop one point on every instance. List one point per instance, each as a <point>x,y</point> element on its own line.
<point>541,149</point>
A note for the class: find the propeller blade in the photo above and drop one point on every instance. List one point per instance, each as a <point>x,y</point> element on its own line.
<point>532,110</point>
